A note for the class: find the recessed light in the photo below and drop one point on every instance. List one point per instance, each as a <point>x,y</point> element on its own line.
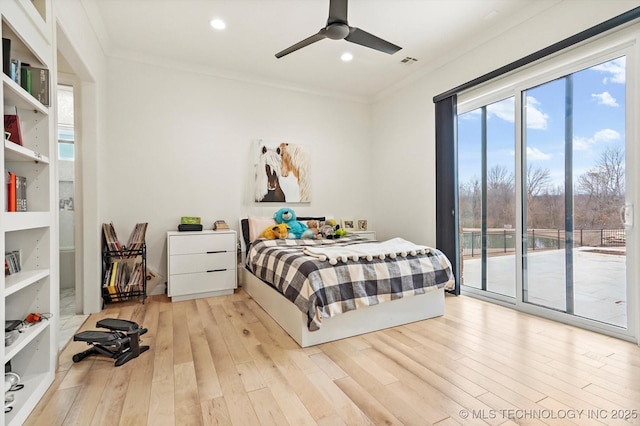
<point>218,24</point>
<point>346,57</point>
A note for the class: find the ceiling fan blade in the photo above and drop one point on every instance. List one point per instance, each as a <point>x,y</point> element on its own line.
<point>363,38</point>
<point>307,41</point>
<point>337,11</point>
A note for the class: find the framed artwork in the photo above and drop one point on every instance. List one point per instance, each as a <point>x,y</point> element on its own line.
<point>362,224</point>
<point>348,225</point>
<point>281,173</point>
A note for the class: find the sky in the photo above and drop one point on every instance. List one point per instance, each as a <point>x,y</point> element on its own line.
<point>599,122</point>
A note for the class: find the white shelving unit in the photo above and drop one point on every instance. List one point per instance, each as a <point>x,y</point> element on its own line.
<point>33,356</point>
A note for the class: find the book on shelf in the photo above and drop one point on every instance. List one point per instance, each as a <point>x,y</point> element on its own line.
<point>110,237</point>
<point>135,242</point>
<point>135,279</point>
<point>6,56</point>
<point>40,84</point>
<point>14,71</point>
<point>220,225</point>
<point>122,279</point>
<point>21,194</point>
<point>13,127</point>
<point>25,76</point>
<point>16,193</point>
<point>137,236</point>
<point>114,272</point>
<point>105,276</point>
<point>33,79</point>
<point>13,263</point>
<point>11,192</point>
<point>111,282</point>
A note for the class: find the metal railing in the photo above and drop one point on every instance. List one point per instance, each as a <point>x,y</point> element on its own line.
<point>502,241</point>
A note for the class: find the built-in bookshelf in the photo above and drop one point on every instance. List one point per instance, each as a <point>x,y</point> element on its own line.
<point>29,232</point>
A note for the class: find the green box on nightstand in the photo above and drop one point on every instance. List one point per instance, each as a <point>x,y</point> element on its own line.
<point>188,220</point>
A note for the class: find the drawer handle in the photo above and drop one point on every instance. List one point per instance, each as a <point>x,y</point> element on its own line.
<point>217,270</point>
<point>216,251</point>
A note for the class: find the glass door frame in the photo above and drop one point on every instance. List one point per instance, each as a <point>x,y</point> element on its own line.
<point>625,42</point>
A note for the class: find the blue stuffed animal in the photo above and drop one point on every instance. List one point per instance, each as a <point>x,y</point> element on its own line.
<point>297,229</point>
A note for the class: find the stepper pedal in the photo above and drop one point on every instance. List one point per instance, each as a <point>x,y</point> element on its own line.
<point>117,324</point>
<point>99,337</point>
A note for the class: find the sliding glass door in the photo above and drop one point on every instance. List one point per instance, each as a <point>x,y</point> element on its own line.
<point>542,188</point>
<point>486,141</point>
<point>574,143</point>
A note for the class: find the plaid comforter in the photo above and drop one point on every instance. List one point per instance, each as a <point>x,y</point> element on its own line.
<point>321,290</point>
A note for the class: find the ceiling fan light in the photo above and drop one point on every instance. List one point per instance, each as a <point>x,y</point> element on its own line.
<point>346,57</point>
<point>218,24</point>
<point>337,31</point>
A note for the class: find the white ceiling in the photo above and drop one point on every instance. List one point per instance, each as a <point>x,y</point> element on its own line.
<point>178,32</point>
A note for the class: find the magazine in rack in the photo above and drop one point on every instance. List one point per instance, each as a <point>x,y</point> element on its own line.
<point>124,266</point>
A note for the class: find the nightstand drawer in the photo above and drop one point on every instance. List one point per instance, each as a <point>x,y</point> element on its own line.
<point>191,243</point>
<point>201,282</point>
<point>202,262</point>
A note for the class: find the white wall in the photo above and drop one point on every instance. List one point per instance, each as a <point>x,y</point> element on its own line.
<point>403,126</point>
<point>179,144</point>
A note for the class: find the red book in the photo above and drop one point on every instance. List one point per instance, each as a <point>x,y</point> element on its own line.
<point>12,125</point>
<point>11,193</point>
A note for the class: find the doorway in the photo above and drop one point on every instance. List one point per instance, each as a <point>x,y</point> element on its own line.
<point>70,318</point>
<point>69,125</point>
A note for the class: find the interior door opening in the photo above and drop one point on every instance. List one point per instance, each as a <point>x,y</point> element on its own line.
<point>69,165</point>
<point>70,318</point>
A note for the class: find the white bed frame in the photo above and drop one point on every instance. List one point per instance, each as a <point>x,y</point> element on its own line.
<point>352,323</point>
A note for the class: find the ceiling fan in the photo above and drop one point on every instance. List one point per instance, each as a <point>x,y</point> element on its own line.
<point>337,29</point>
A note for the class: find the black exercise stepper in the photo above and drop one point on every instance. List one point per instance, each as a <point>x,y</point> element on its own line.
<point>121,343</point>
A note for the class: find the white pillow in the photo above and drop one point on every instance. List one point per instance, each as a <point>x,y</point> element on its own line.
<point>257,225</point>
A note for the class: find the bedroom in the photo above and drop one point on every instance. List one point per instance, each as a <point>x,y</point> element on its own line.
<point>188,155</point>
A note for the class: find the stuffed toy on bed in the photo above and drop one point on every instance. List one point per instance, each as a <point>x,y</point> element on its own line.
<point>314,226</point>
<point>275,232</point>
<point>297,229</point>
<point>330,229</point>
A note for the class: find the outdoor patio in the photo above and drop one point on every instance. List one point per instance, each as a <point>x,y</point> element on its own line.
<point>599,280</point>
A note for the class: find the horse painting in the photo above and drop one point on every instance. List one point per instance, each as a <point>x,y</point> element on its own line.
<point>267,182</point>
<point>274,191</point>
<point>296,161</point>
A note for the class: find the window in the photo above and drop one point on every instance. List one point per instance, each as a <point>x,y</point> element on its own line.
<point>66,148</point>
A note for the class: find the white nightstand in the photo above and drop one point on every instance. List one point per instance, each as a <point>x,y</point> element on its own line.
<point>371,235</point>
<point>201,264</point>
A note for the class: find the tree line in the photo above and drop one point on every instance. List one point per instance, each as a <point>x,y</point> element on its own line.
<point>598,195</point>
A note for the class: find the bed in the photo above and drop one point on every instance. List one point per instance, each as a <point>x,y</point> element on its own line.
<point>323,290</point>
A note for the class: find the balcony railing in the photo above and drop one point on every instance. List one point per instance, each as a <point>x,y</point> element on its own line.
<point>502,241</point>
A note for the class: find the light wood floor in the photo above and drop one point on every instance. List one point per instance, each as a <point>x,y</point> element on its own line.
<point>224,361</point>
